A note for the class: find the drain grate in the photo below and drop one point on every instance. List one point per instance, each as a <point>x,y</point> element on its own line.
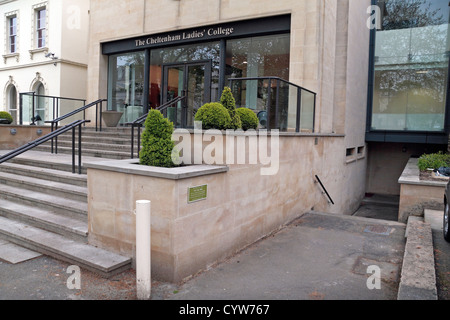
<point>382,230</point>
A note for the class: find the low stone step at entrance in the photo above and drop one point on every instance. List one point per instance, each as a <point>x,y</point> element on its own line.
<point>75,229</point>
<point>49,202</point>
<point>94,259</point>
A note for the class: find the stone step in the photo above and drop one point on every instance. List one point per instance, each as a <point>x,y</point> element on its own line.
<point>44,173</point>
<point>89,152</point>
<point>97,139</point>
<point>59,205</point>
<point>37,162</point>
<point>72,228</point>
<point>124,133</point>
<point>59,189</point>
<point>91,146</point>
<point>94,259</point>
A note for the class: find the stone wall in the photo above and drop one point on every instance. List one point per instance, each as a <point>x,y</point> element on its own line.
<point>242,205</point>
<point>417,194</point>
<point>23,135</point>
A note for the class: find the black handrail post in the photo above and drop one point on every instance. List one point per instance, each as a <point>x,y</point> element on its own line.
<point>277,101</point>
<point>299,110</point>
<point>139,139</point>
<point>32,110</point>
<point>79,148</point>
<point>21,108</point>
<point>96,117</point>
<point>269,103</point>
<point>56,139</point>
<point>53,103</point>
<point>101,114</point>
<point>52,125</point>
<point>132,141</point>
<point>73,150</point>
<point>314,114</point>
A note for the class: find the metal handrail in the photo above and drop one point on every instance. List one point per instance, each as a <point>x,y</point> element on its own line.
<point>50,136</point>
<point>278,80</point>
<point>140,121</point>
<point>54,123</point>
<point>56,103</point>
<point>325,190</point>
<point>72,113</point>
<point>273,78</point>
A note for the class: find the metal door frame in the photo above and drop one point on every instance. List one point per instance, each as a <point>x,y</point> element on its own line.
<point>185,65</point>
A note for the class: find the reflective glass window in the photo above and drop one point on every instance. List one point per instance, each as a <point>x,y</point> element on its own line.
<point>126,84</point>
<point>411,66</point>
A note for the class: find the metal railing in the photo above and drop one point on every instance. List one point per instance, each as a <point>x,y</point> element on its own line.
<point>324,189</point>
<point>98,119</point>
<point>280,104</point>
<point>138,123</point>
<point>52,135</point>
<point>37,105</point>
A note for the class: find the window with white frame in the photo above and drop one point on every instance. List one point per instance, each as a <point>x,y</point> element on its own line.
<point>12,34</point>
<point>41,27</point>
<point>12,102</point>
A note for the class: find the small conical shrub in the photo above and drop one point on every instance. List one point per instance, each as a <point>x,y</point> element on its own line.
<point>227,100</point>
<point>157,144</point>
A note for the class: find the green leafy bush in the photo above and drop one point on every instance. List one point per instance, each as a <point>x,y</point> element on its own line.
<point>227,100</point>
<point>434,161</point>
<point>6,115</point>
<point>157,144</point>
<point>248,118</point>
<point>213,116</point>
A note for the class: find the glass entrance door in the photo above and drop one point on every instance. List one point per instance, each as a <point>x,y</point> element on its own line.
<point>191,80</point>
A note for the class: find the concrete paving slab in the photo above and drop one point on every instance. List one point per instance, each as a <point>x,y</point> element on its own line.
<point>15,254</point>
<point>318,257</point>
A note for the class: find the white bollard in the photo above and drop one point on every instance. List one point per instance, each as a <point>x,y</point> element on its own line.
<point>143,250</point>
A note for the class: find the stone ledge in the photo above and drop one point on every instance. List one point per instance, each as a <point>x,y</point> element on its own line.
<point>131,166</point>
<point>411,175</point>
<point>418,277</point>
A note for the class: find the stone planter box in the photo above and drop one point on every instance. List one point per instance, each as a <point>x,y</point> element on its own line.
<point>416,195</point>
<point>242,205</point>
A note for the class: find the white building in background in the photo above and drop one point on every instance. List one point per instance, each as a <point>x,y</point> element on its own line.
<point>44,47</point>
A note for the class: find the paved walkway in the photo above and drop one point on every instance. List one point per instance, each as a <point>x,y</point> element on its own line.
<point>318,257</point>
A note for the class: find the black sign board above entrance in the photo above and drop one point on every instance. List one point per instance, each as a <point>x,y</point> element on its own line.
<point>245,28</point>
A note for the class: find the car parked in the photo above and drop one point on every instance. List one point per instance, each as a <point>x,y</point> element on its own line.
<point>446,212</point>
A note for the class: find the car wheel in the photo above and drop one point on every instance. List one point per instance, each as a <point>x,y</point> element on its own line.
<point>445,226</point>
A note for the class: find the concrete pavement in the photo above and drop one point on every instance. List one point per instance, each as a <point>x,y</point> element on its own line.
<point>317,257</point>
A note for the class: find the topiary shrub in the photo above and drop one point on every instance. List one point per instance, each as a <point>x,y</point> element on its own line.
<point>433,161</point>
<point>213,116</point>
<point>248,118</point>
<point>5,115</point>
<point>157,144</point>
<point>227,100</point>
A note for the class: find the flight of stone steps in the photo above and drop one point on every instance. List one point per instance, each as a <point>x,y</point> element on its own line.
<point>43,205</point>
<point>112,143</point>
